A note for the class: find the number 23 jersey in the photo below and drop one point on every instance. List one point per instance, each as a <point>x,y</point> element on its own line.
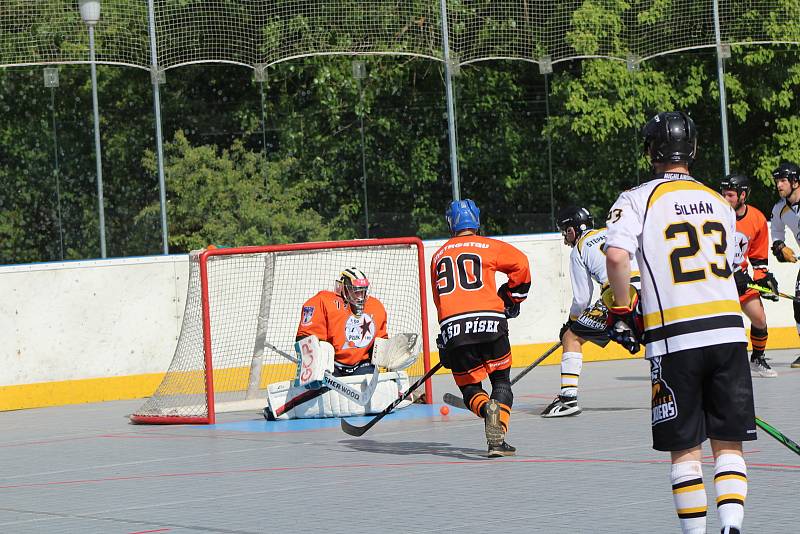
<point>464,288</point>
<point>683,236</point>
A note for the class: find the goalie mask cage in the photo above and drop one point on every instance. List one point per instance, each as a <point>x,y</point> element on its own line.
<point>240,298</point>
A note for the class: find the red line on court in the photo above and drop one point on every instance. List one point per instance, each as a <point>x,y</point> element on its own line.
<point>367,466</point>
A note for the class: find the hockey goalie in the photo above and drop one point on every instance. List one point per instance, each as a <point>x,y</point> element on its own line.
<point>346,364</point>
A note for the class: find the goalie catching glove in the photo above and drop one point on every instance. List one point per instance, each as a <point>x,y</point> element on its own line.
<point>395,354</point>
<point>624,324</point>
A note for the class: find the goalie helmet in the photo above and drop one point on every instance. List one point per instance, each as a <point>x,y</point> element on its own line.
<point>353,287</point>
<point>736,182</point>
<point>463,215</point>
<point>574,217</point>
<point>670,137</point>
<point>787,170</point>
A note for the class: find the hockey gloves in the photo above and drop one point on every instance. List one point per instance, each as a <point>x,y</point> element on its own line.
<point>742,280</point>
<point>783,253</point>
<point>511,308</point>
<point>769,282</point>
<point>624,324</point>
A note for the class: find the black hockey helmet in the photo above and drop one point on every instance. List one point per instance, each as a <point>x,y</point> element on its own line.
<point>736,182</point>
<point>670,137</point>
<point>787,170</point>
<point>574,217</point>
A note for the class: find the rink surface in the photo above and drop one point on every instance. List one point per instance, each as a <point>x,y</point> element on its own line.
<point>85,469</point>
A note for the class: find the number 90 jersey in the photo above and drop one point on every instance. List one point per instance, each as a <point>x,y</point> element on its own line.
<point>464,289</point>
<point>683,236</point>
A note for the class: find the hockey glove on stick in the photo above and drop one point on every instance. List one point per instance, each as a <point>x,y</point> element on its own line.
<point>624,324</point>
<point>783,253</point>
<point>443,352</point>
<point>769,283</point>
<point>512,308</point>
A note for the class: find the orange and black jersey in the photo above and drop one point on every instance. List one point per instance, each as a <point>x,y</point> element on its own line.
<point>327,316</point>
<point>464,289</point>
<point>752,242</point>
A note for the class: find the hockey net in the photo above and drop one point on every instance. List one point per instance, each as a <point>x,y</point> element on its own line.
<point>240,298</point>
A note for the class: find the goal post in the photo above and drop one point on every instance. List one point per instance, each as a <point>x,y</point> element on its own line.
<point>242,300</point>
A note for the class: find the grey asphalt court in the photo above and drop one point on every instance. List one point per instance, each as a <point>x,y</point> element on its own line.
<point>85,469</point>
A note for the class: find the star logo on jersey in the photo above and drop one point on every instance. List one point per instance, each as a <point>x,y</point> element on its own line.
<point>742,244</point>
<point>359,331</point>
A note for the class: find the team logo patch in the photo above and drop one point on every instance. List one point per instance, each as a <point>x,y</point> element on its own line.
<point>664,406</point>
<point>359,331</point>
<point>742,244</point>
<point>308,313</point>
<point>594,317</point>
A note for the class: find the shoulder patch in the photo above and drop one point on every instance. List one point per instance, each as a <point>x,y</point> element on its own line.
<point>308,313</point>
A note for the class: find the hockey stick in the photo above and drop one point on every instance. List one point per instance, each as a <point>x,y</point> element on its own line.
<point>766,291</point>
<point>361,398</point>
<point>359,430</point>
<point>777,434</point>
<point>458,402</point>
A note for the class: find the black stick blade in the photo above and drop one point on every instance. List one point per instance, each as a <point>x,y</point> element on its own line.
<point>359,430</point>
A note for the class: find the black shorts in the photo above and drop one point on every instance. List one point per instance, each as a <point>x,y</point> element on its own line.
<point>472,363</point>
<point>702,393</point>
<point>591,324</point>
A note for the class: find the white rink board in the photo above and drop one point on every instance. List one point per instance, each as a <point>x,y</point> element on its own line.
<point>121,317</point>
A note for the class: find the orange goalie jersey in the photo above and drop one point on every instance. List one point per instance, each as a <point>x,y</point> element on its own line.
<point>752,245</point>
<point>464,288</point>
<point>327,316</point>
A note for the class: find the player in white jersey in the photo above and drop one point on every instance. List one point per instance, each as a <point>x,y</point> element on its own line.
<point>587,321</point>
<point>689,318</point>
<point>786,213</point>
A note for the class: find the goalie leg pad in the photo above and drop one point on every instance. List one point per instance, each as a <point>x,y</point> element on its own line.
<point>333,404</point>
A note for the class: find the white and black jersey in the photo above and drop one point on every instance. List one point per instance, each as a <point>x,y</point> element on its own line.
<point>785,215</point>
<point>682,234</point>
<point>587,264</point>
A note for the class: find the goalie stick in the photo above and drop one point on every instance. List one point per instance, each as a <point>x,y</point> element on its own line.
<point>458,402</point>
<point>767,291</point>
<point>777,434</point>
<point>360,430</point>
<point>331,382</point>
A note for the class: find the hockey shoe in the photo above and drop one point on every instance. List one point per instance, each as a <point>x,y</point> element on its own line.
<point>268,414</point>
<point>562,407</point>
<point>796,363</point>
<point>495,434</point>
<point>760,368</point>
<point>504,449</point>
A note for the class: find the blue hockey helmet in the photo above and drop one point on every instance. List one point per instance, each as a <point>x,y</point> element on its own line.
<point>463,215</point>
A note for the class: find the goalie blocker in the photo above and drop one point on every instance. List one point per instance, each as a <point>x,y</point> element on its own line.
<point>346,395</point>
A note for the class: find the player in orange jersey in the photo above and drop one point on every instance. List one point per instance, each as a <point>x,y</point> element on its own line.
<point>473,315</point>
<point>347,318</point>
<point>752,246</point>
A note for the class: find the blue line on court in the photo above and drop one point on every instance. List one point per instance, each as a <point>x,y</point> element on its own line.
<point>415,411</point>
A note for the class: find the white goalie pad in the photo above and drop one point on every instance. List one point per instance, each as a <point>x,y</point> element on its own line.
<point>395,354</point>
<point>332,404</point>
<point>315,357</point>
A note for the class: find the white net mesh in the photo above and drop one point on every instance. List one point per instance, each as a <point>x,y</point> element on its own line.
<point>258,297</point>
<point>256,32</point>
